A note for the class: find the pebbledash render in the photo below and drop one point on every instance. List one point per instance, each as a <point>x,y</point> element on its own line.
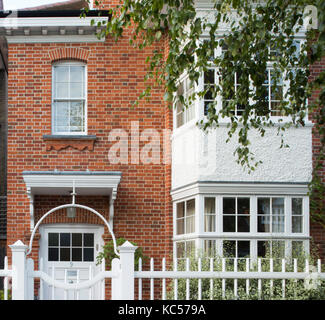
<point>148,170</point>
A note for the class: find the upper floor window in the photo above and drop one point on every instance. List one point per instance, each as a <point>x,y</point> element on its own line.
<point>69,98</point>
<point>185,112</point>
<point>235,84</point>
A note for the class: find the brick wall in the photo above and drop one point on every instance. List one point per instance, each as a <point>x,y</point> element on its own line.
<point>316,229</point>
<point>115,79</point>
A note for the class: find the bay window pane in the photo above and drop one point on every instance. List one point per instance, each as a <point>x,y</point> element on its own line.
<point>229,224</point>
<point>180,226</point>
<point>190,224</point>
<point>278,249</point>
<point>277,223</point>
<point>210,248</point>
<point>180,210</point>
<point>263,206</point>
<point>297,224</point>
<point>180,249</point>
<point>229,248</point>
<point>243,224</point>
<point>263,224</point>
<point>297,249</point>
<point>210,223</point>
<point>190,207</point>
<point>263,248</point>
<point>296,204</point>
<point>243,206</point>
<point>243,249</point>
<point>278,206</point>
<point>229,205</point>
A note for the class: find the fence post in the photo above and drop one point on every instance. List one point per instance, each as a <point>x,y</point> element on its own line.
<point>19,268</point>
<point>126,278</point>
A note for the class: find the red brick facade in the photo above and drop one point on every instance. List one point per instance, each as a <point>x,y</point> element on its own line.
<point>115,79</point>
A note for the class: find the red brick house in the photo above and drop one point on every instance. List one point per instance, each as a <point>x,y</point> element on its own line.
<point>69,105</point>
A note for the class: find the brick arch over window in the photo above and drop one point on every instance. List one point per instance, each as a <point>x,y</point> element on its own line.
<point>69,53</point>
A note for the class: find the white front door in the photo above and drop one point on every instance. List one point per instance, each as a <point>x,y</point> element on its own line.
<point>68,253</point>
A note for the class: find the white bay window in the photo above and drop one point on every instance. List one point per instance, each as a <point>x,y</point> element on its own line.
<point>243,225</point>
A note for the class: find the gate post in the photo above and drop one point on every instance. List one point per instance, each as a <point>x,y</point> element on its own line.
<point>126,290</point>
<point>19,271</point>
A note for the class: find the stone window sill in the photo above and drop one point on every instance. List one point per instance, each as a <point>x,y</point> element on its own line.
<point>79,142</point>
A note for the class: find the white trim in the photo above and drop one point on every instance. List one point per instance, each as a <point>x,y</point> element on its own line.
<point>49,22</point>
<point>54,39</point>
<point>239,188</point>
<point>61,184</point>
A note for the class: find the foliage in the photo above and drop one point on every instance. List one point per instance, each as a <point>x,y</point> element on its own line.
<point>262,37</point>
<point>269,290</point>
<point>2,295</point>
<point>108,253</point>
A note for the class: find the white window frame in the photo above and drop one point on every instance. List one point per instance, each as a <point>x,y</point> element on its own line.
<point>70,63</point>
<point>191,108</point>
<point>253,236</point>
<point>219,98</point>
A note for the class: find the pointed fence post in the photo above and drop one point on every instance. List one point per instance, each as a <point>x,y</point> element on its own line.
<point>19,268</point>
<point>126,278</point>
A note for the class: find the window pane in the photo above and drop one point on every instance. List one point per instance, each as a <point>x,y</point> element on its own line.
<point>209,77</point>
<point>180,212</point>
<point>297,249</point>
<point>88,254</point>
<point>77,73</point>
<point>243,249</point>
<point>76,254</point>
<point>243,224</point>
<point>76,239</point>
<point>229,248</point>
<point>210,248</point>
<point>243,205</point>
<point>64,239</point>
<point>297,224</point>
<point>263,205</point>
<point>88,239</point>
<point>190,246</point>
<point>210,223</point>
<point>263,224</point>
<point>61,90</point>
<point>53,239</point>
<point>180,226</point>
<point>64,254</point>
<point>296,204</point>
<point>190,207</point>
<point>278,249</point>
<point>278,206</point>
<point>263,248</point>
<point>180,249</point>
<point>190,224</point>
<point>277,224</point>
<point>229,223</point>
<point>229,206</point>
<point>76,90</point>
<point>209,205</point>
<point>61,73</point>
<point>53,254</point>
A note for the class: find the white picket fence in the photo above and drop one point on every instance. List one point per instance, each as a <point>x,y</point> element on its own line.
<point>163,284</point>
<point>311,275</point>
